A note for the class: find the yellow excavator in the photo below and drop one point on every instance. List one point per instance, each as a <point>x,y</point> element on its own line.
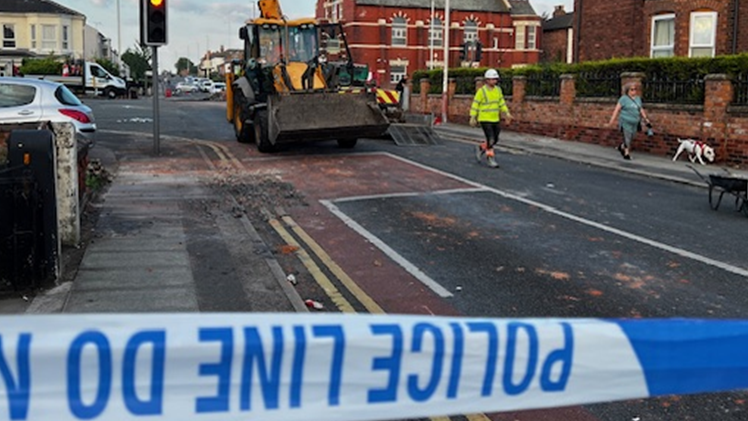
<point>288,86</point>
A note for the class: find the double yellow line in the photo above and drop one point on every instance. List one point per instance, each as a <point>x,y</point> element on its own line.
<point>279,225</point>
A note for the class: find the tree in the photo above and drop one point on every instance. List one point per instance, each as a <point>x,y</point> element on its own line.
<point>185,64</point>
<point>139,60</point>
<point>108,65</point>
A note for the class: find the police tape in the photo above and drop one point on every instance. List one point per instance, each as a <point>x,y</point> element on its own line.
<point>349,367</point>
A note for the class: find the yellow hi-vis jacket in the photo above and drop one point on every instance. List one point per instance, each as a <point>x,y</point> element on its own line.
<point>488,105</point>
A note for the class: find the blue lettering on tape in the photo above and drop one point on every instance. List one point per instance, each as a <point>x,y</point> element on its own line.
<point>492,353</point>
<point>391,364</point>
<point>133,403</point>
<point>297,369</point>
<point>104,385</point>
<point>563,356</point>
<point>457,354</point>
<point>19,388</point>
<point>221,369</point>
<point>269,378</point>
<point>419,331</point>
<point>511,350</point>
<point>336,372</point>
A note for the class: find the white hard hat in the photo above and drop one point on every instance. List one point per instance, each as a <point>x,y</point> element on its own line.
<point>491,74</point>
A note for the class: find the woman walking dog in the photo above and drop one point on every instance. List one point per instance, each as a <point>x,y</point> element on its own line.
<point>629,112</point>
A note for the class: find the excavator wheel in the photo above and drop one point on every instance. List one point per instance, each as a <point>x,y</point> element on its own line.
<point>347,143</point>
<point>242,131</point>
<point>261,132</point>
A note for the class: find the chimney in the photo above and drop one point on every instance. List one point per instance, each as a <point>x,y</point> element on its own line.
<point>559,11</point>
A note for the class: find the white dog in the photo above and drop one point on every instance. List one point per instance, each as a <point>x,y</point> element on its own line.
<point>696,149</point>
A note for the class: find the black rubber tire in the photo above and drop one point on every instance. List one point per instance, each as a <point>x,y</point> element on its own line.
<point>244,133</point>
<point>347,143</point>
<point>261,132</point>
<point>110,93</point>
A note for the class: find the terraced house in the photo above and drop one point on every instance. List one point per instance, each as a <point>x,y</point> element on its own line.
<point>398,37</point>
<point>38,27</point>
<point>659,28</point>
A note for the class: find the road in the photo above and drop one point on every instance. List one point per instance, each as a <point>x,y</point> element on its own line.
<point>427,230</point>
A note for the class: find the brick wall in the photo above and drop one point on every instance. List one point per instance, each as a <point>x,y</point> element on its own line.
<point>609,28</point>
<point>555,45</point>
<point>623,28</point>
<point>742,43</point>
<point>567,117</point>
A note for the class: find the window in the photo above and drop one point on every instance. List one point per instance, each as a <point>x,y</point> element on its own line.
<point>399,31</point>
<point>437,33</point>
<point>49,37</point>
<point>9,36</point>
<point>397,73</point>
<point>663,36</point>
<point>471,31</point>
<point>519,38</point>
<point>65,39</point>
<point>531,37</point>
<point>33,36</point>
<point>12,95</point>
<point>703,31</point>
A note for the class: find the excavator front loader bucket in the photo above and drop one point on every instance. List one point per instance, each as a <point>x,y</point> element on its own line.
<point>308,116</point>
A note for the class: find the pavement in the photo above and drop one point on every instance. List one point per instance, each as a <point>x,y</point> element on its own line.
<point>140,262</point>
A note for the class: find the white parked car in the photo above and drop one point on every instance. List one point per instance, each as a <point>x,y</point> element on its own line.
<point>25,100</point>
<point>185,87</point>
<point>218,87</point>
<point>206,85</point>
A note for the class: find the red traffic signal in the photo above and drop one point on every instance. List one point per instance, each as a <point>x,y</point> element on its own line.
<point>153,20</point>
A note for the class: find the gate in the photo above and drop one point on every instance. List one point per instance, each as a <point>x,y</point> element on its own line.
<point>28,211</point>
<point>21,257</point>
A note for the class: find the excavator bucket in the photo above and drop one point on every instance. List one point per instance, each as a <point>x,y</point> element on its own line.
<point>323,116</point>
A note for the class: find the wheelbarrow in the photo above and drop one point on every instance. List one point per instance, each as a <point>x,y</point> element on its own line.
<point>720,184</point>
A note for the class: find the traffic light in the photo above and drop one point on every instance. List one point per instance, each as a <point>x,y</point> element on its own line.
<point>153,22</point>
<point>463,51</point>
<point>478,51</point>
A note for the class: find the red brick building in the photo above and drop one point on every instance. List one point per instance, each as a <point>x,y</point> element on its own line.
<point>558,37</point>
<point>397,37</point>
<point>659,28</point>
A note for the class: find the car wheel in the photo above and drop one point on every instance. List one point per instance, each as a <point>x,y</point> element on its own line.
<point>244,133</point>
<point>110,93</point>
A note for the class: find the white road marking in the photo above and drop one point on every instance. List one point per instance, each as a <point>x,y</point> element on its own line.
<point>550,209</point>
<point>392,254</point>
<point>409,194</point>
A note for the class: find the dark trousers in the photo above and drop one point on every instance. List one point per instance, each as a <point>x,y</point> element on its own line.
<point>492,131</point>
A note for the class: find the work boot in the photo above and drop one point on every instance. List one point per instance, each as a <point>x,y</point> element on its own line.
<point>491,159</point>
<point>479,151</point>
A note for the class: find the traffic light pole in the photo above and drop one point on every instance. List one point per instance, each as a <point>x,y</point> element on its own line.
<point>156,119</point>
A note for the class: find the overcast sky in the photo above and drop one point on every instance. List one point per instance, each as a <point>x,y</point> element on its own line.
<point>198,25</point>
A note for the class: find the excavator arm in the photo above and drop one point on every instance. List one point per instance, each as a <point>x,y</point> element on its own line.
<point>270,9</point>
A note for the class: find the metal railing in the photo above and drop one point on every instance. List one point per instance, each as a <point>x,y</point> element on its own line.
<point>598,85</point>
<point>662,90</point>
<point>543,85</point>
<point>740,89</point>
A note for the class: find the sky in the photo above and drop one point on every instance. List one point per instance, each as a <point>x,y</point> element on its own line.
<point>198,25</point>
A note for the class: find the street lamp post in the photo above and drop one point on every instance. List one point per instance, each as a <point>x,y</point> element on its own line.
<point>445,79</point>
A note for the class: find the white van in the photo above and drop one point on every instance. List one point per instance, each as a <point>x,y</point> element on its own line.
<point>94,79</point>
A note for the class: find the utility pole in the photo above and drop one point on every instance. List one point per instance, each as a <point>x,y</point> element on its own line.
<point>119,36</point>
<point>445,80</point>
<point>431,38</point>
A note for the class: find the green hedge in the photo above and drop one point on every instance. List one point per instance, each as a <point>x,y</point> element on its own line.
<point>41,66</point>
<point>598,78</point>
